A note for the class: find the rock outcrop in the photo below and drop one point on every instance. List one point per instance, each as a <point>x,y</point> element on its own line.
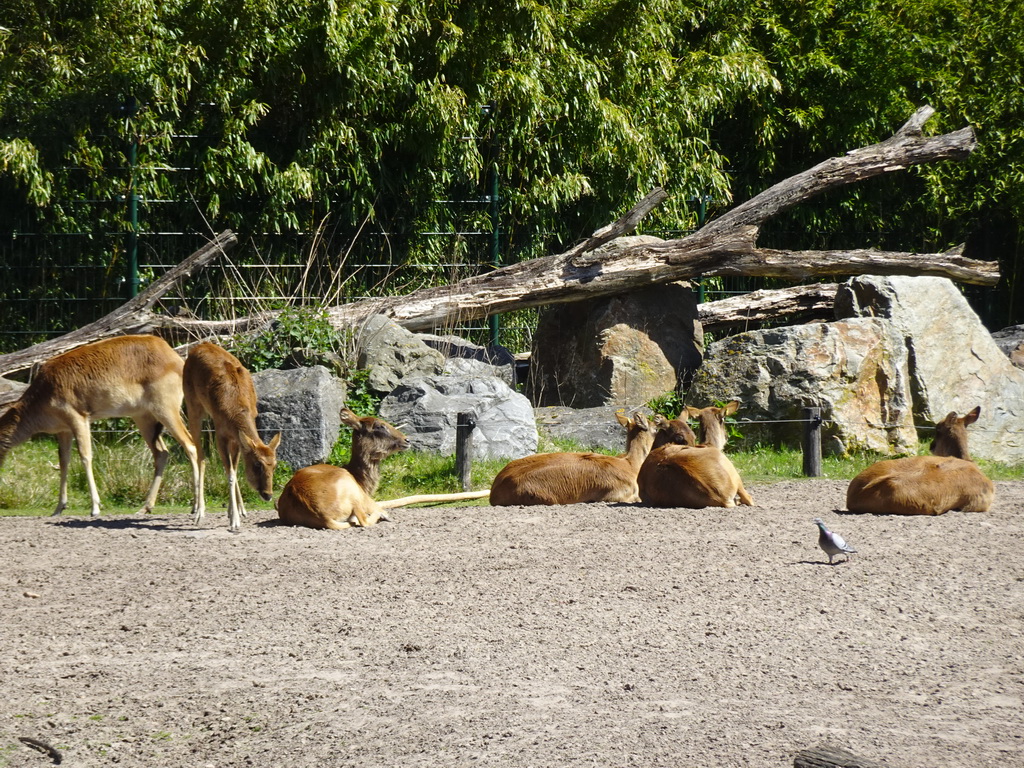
<point>303,405</point>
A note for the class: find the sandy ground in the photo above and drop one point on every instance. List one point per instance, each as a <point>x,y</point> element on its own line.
<point>587,635</point>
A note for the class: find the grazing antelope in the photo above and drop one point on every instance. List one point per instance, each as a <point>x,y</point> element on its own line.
<point>926,485</point>
<point>678,473</point>
<point>217,385</point>
<point>134,376</point>
<point>711,422</point>
<point>325,496</point>
<point>571,478</point>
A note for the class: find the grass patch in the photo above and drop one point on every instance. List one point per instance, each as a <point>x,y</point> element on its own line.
<point>29,479</point>
<point>123,468</point>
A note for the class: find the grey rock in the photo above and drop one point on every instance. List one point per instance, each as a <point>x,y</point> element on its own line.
<point>956,365</point>
<point>1009,338</point>
<point>10,391</point>
<point>855,371</point>
<point>590,428</point>
<point>303,405</point>
<point>392,354</point>
<point>427,411</point>
<point>464,358</point>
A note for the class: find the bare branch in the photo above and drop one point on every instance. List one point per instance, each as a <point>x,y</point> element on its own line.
<point>134,316</point>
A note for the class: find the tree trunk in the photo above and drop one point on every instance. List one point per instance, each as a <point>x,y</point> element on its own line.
<point>134,316</point>
<point>603,265</point>
<point>748,312</point>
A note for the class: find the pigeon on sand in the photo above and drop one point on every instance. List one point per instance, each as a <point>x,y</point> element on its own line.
<point>831,542</point>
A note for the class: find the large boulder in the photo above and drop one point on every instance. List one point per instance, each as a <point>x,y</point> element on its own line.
<point>589,428</point>
<point>303,404</point>
<point>955,363</point>
<point>1011,341</point>
<point>391,354</point>
<point>853,370</point>
<point>464,358</point>
<point>10,391</point>
<point>427,411</point>
<point>623,350</point>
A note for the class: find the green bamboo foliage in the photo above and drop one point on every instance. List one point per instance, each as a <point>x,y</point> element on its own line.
<point>271,116</point>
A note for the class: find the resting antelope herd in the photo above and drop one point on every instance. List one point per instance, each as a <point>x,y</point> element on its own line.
<point>143,378</point>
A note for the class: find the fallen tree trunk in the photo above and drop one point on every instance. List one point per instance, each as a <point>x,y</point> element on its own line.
<point>603,265</point>
<point>800,303</point>
<point>134,316</point>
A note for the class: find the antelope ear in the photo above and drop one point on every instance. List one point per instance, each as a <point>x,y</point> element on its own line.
<point>972,416</point>
<point>274,442</point>
<point>641,421</point>
<point>731,407</point>
<point>691,412</point>
<point>659,421</point>
<point>622,418</point>
<point>349,419</point>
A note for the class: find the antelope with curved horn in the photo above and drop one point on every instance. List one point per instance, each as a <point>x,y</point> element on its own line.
<point>217,385</point>
<point>325,496</point>
<point>678,473</point>
<point>134,376</point>
<point>926,485</point>
<point>571,478</point>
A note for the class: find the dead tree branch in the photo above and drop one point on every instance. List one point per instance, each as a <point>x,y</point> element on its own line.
<point>134,316</point>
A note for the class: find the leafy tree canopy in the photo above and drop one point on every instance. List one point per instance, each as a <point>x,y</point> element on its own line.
<point>271,114</point>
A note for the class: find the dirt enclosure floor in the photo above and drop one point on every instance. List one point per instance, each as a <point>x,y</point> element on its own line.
<point>588,635</point>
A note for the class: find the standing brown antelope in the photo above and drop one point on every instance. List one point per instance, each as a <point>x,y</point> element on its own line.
<point>678,473</point>
<point>217,385</point>
<point>711,422</point>
<point>571,478</point>
<point>325,496</point>
<point>926,485</point>
<point>134,376</point>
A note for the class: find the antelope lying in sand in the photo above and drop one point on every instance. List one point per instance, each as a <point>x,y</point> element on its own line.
<point>134,376</point>
<point>678,473</point>
<point>711,422</point>
<point>571,478</point>
<point>926,485</point>
<point>217,385</point>
<point>325,496</point>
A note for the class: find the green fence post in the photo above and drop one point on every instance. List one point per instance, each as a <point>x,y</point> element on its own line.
<point>494,321</point>
<point>130,109</point>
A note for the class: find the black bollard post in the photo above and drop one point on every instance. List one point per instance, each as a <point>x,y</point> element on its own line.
<point>812,442</point>
<point>464,425</point>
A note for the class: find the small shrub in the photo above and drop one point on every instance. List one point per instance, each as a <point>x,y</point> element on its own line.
<point>299,334</point>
